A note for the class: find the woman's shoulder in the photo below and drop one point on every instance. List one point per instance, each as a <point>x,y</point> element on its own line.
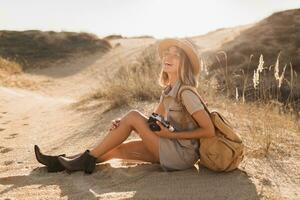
<point>191,101</point>
<point>189,95</point>
<point>188,90</point>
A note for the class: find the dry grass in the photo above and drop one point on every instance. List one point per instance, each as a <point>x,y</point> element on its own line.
<point>132,82</point>
<point>11,75</point>
<point>265,84</point>
<point>268,128</point>
<point>268,122</point>
<point>273,36</point>
<point>9,67</point>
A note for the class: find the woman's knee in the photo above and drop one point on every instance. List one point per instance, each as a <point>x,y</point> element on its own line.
<point>136,120</point>
<point>129,117</point>
<point>134,115</point>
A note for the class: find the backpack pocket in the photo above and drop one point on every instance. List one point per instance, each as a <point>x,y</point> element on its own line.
<point>220,154</point>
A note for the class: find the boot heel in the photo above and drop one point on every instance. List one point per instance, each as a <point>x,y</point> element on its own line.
<point>90,167</point>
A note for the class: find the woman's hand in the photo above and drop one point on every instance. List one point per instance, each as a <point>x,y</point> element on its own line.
<point>115,124</point>
<point>164,132</point>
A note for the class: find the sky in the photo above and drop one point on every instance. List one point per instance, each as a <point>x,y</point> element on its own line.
<point>158,18</point>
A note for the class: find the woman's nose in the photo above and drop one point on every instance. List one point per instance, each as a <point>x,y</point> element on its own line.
<point>168,60</point>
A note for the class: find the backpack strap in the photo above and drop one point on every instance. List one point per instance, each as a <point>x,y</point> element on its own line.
<point>193,89</point>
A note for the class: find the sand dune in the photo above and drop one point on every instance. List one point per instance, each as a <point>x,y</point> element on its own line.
<point>46,116</point>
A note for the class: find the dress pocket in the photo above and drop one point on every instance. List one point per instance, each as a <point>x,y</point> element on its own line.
<point>186,143</point>
<point>175,115</point>
<point>187,152</point>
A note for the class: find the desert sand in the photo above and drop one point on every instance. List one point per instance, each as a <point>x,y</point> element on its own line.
<point>46,116</point>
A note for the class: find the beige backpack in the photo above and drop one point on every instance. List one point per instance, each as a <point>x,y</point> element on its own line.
<point>225,150</point>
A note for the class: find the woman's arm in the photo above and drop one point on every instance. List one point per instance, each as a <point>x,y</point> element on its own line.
<point>206,128</point>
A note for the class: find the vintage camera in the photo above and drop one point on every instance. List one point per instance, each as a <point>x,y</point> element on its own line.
<point>155,127</point>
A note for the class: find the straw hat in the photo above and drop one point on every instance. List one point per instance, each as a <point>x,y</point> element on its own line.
<point>186,46</point>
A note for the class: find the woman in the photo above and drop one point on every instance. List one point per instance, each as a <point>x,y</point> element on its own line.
<point>172,150</point>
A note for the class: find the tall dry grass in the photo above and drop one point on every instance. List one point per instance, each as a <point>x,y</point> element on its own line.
<point>133,81</point>
<point>269,83</point>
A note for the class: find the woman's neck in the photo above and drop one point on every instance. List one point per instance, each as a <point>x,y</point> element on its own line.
<point>172,81</point>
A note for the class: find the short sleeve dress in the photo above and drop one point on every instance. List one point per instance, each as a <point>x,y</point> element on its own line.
<point>179,154</point>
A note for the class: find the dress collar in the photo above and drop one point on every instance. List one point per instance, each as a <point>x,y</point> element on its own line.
<point>168,91</point>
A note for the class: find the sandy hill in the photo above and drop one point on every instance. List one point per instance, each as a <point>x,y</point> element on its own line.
<point>64,108</point>
<point>36,48</point>
<point>274,35</point>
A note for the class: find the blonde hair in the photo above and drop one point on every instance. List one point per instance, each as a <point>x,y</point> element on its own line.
<point>184,72</point>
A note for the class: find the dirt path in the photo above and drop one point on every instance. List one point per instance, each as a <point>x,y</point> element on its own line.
<point>80,75</point>
<point>30,116</point>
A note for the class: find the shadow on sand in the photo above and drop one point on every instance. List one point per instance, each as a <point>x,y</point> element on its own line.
<point>141,181</point>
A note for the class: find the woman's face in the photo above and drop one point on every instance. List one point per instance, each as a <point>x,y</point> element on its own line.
<point>171,59</point>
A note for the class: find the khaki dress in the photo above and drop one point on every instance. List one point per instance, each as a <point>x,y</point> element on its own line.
<point>179,154</point>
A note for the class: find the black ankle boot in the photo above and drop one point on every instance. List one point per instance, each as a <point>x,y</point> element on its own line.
<point>85,162</point>
<point>52,163</point>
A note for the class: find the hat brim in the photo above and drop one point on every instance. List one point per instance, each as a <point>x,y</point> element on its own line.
<point>186,46</point>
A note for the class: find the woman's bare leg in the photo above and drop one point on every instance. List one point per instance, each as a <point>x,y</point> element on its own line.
<point>133,120</point>
<point>134,149</point>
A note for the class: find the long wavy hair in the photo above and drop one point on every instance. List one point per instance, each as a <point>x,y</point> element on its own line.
<point>184,72</point>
